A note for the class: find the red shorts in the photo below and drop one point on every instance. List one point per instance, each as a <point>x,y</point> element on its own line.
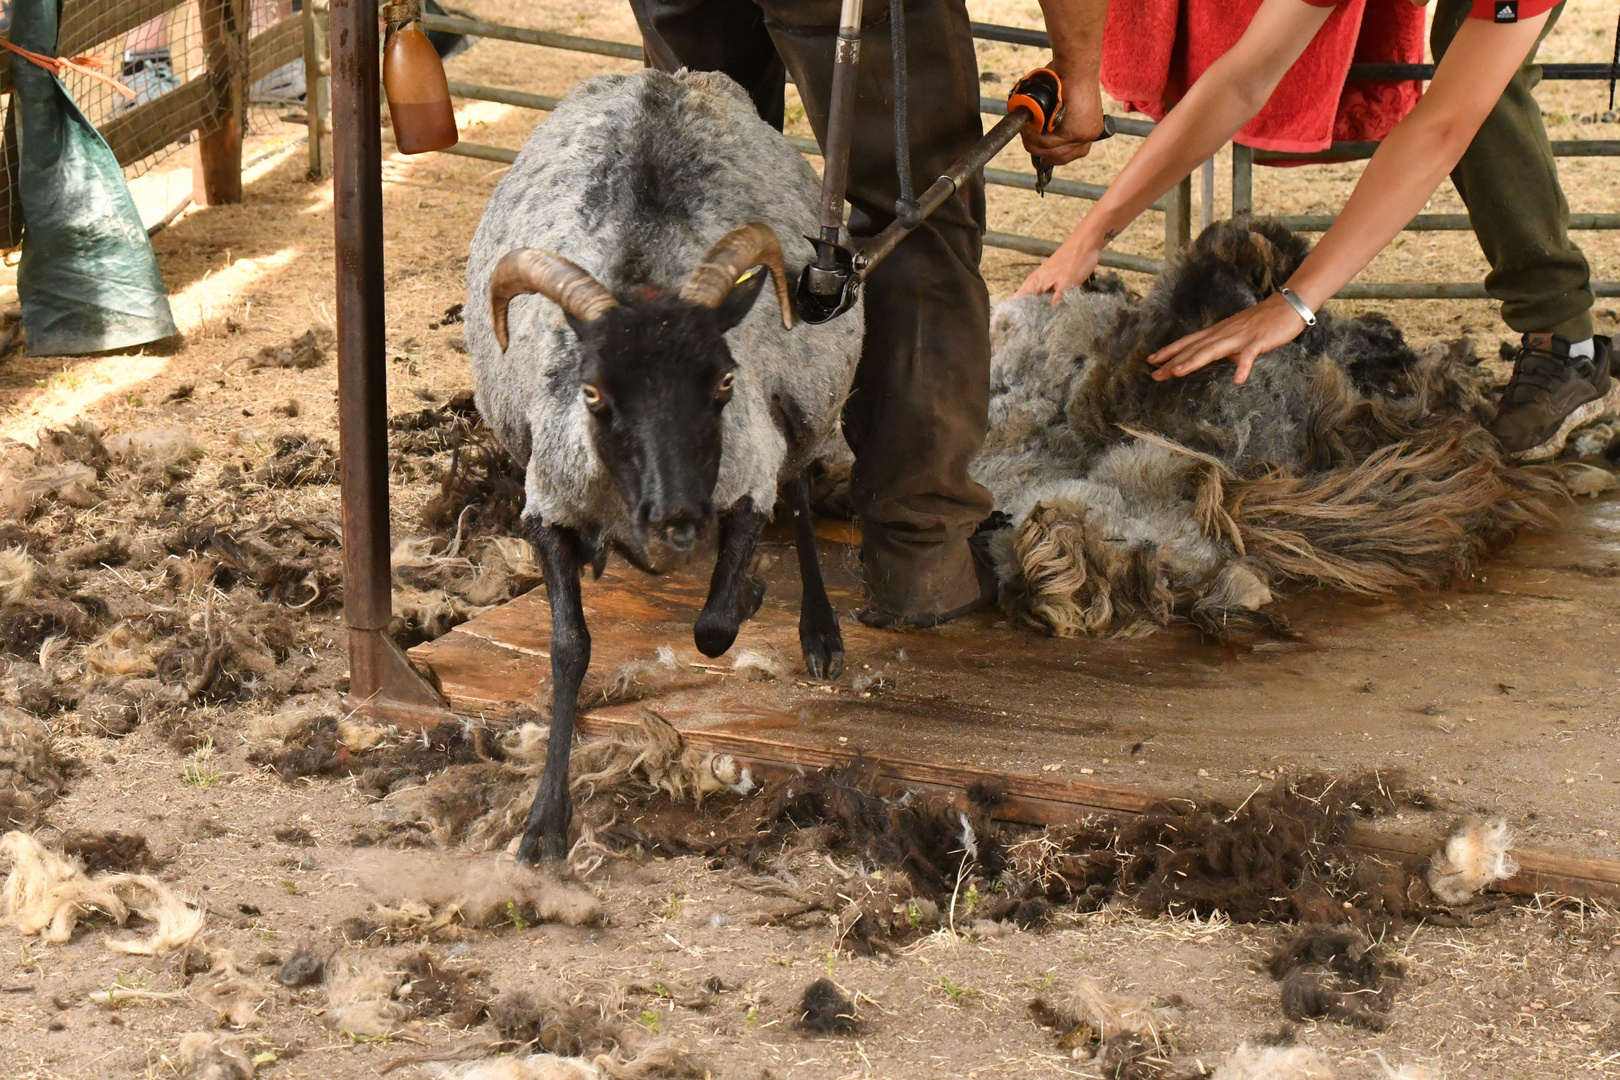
<point>1502,11</point>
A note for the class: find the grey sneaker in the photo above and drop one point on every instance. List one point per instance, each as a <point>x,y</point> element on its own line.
<point>1550,395</point>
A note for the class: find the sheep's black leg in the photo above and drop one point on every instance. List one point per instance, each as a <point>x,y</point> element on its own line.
<point>819,636</point>
<point>733,596</point>
<point>561,554</point>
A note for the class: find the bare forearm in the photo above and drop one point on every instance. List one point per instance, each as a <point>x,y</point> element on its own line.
<point>1398,181</point>
<point>1417,155</point>
<point>1194,130</point>
<point>1075,28</point>
<point>1224,98</point>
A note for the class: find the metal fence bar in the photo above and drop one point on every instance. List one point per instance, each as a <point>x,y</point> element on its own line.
<point>1017,35</point>
<point>1176,205</point>
<point>1429,290</point>
<point>1034,245</point>
<point>318,86</point>
<point>1123,125</point>
<point>1360,151</point>
<point>1012,35</point>
<point>1441,222</point>
<point>1074,189</point>
<point>1425,72</point>
<point>1242,179</point>
<point>992,106</point>
<point>569,42</point>
<point>475,150</point>
<point>1141,264</point>
<point>1206,194</point>
<point>1178,217</point>
<point>503,96</point>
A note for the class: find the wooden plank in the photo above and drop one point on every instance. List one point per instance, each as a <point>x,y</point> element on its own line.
<point>500,659</point>
<point>1540,871</point>
<point>279,44</point>
<point>148,128</point>
<point>92,22</point>
<point>480,677</point>
<point>1031,800</point>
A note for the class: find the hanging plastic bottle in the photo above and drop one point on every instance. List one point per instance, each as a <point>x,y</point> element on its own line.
<point>414,82</point>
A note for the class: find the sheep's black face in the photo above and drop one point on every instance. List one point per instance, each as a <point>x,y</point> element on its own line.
<point>656,378</point>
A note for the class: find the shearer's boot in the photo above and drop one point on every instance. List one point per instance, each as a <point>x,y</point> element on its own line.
<point>1551,394</point>
<point>925,611</point>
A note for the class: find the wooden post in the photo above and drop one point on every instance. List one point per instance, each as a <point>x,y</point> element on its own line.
<point>1178,218</point>
<point>216,170</point>
<point>1242,179</point>
<point>318,87</point>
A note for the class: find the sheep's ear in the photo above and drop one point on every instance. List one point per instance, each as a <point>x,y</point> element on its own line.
<point>740,300</point>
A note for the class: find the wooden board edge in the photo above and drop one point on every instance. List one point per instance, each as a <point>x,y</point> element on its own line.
<point>1033,801</point>
<point>956,778</point>
<point>1027,800</point>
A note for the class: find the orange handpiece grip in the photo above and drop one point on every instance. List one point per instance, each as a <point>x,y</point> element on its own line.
<point>1040,92</point>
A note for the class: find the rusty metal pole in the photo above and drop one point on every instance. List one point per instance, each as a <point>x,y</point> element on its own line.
<point>382,681</point>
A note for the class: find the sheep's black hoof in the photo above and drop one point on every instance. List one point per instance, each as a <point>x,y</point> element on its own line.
<point>543,842</point>
<point>823,647</point>
<point>751,595</point>
<point>714,633</point>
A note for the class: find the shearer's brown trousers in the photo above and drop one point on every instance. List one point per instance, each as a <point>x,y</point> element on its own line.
<point>920,404</point>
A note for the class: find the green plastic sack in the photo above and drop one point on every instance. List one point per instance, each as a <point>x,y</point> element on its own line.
<point>88,279</point>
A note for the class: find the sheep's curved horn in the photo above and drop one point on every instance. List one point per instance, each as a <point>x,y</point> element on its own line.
<point>742,248</point>
<point>530,270</point>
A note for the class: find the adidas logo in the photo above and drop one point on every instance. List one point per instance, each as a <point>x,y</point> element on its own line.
<point>1507,11</point>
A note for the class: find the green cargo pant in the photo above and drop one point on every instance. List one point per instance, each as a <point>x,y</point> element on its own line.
<point>1509,179</point>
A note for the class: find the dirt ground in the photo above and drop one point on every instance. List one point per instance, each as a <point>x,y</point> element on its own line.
<point>1496,697</point>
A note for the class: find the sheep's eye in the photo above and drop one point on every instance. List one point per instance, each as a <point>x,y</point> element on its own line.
<point>727,381</point>
<point>592,396</point>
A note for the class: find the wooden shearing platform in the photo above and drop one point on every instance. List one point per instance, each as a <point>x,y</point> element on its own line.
<point>1451,689</point>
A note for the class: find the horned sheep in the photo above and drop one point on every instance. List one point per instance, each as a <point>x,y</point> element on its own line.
<point>620,357</point>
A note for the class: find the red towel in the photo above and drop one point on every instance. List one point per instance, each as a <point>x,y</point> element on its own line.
<point>1155,49</point>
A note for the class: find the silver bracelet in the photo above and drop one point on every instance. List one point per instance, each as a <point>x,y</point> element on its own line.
<point>1298,305</point>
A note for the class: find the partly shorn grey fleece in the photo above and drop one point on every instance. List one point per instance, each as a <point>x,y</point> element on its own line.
<point>1127,503</point>
<point>633,177</point>
<point>1347,460</point>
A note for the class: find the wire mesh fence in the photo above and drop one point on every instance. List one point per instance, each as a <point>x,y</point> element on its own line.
<point>153,59</point>
<point>195,67</point>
